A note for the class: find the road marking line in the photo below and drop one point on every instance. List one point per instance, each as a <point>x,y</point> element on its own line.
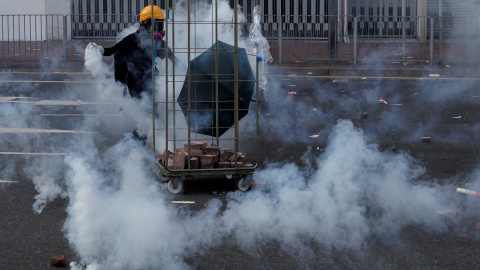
<point>6,181</point>
<point>24,81</point>
<point>33,154</point>
<point>36,72</point>
<point>69,102</point>
<point>40,130</point>
<point>190,202</point>
<point>38,101</point>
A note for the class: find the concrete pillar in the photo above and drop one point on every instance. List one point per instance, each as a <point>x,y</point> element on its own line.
<point>56,24</point>
<point>422,20</point>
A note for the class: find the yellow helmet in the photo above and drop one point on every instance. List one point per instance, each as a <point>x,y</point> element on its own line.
<point>147,13</point>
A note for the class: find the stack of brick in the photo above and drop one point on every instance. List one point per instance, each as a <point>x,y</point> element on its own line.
<point>202,156</point>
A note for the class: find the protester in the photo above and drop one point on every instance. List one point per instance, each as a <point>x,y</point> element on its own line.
<point>133,56</point>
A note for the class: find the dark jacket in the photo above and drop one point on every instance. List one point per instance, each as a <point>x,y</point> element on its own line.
<point>133,61</point>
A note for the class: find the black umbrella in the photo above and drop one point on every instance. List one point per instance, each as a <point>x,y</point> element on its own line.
<point>203,98</point>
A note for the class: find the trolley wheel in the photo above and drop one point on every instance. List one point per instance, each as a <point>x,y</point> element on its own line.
<point>175,185</point>
<point>162,177</point>
<point>228,176</point>
<point>243,183</point>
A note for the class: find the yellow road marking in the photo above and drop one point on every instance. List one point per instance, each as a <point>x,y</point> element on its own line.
<point>79,114</point>
<point>373,77</point>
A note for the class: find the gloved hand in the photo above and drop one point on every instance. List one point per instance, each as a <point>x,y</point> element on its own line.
<point>95,46</point>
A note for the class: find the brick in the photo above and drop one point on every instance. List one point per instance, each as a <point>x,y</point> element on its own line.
<point>426,139</point>
<point>212,150</point>
<point>224,164</point>
<point>204,144</point>
<point>193,146</point>
<point>163,156</point>
<point>179,160</point>
<point>179,151</point>
<point>240,157</point>
<point>207,166</point>
<point>225,154</point>
<point>177,163</point>
<point>58,260</point>
<point>239,164</point>
<point>208,159</point>
<point>196,152</point>
<point>194,162</point>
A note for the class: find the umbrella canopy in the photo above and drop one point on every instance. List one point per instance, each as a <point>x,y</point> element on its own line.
<point>203,97</point>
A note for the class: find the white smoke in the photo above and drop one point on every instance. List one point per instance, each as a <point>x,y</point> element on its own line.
<point>357,191</point>
<point>119,217</point>
<point>123,219</point>
<point>94,63</point>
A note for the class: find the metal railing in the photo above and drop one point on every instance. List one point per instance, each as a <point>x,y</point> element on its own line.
<point>32,35</point>
<point>292,40</point>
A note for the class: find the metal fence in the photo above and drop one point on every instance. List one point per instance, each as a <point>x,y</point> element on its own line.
<point>32,35</point>
<point>292,39</point>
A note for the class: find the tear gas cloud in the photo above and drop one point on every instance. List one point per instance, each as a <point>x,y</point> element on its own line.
<point>120,217</point>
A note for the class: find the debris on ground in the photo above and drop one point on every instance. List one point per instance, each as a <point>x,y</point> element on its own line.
<point>292,93</point>
<point>58,260</point>
<point>468,191</point>
<point>364,115</point>
<point>426,139</point>
<point>443,212</point>
<point>340,81</point>
<point>314,136</point>
<point>259,185</point>
<point>382,101</point>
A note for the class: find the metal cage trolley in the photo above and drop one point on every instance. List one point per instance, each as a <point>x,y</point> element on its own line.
<point>207,98</point>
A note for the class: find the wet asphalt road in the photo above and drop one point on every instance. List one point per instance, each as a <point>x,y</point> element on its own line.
<point>445,110</point>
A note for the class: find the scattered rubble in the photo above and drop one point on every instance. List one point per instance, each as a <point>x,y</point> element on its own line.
<point>425,139</point>
<point>58,260</point>
<point>382,101</point>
